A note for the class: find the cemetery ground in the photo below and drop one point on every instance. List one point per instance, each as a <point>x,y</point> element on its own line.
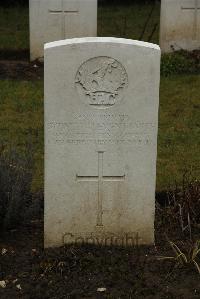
<point>78,271</point>
<point>118,21</point>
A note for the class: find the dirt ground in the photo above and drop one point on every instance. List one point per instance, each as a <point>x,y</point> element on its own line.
<point>21,70</point>
<point>15,65</point>
<point>79,271</point>
<point>87,271</point>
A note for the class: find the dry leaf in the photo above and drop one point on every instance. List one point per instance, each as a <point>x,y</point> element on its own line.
<point>2,284</point>
<point>101,289</point>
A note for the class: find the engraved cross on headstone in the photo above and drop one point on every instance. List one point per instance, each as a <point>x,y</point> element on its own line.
<point>100,179</point>
<point>63,13</point>
<point>196,9</point>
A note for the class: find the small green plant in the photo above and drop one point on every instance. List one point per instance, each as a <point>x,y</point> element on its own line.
<point>182,258</point>
<point>181,62</point>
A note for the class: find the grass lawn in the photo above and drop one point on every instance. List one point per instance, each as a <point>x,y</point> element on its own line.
<point>129,21</point>
<point>119,21</point>
<point>21,102</point>
<point>21,113</point>
<point>27,269</point>
<point>14,28</point>
<point>179,129</point>
<point>21,125</point>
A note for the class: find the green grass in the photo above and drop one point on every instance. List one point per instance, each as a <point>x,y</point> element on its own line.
<point>119,21</point>
<point>179,129</point>
<point>21,114</point>
<point>21,102</point>
<point>21,125</point>
<point>14,28</point>
<point>129,21</point>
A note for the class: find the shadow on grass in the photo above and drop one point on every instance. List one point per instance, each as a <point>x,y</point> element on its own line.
<point>21,70</point>
<point>10,54</point>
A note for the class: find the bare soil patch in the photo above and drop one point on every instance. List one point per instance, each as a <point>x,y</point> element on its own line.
<point>21,70</point>
<point>79,271</point>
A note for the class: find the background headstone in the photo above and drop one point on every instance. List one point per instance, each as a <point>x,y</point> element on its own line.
<point>52,20</point>
<point>180,25</point>
<point>101,120</point>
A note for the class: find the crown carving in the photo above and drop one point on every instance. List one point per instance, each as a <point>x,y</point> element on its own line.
<point>101,80</point>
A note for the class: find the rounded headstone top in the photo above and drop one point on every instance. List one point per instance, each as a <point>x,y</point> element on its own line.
<point>112,40</point>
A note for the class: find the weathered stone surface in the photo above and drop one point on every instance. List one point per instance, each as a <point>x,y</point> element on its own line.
<point>52,20</point>
<point>180,25</point>
<point>101,120</point>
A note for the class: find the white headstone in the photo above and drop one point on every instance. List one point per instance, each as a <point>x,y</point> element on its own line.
<point>52,20</point>
<point>101,120</point>
<point>180,25</point>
